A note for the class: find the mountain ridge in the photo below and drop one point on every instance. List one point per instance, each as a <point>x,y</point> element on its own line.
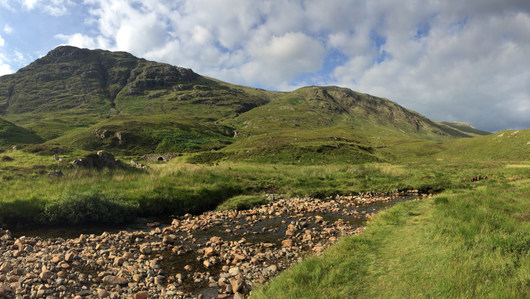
<point>72,95</point>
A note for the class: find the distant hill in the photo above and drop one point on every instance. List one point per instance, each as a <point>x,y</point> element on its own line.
<point>95,99</point>
<point>510,145</point>
<point>10,134</point>
<point>465,127</point>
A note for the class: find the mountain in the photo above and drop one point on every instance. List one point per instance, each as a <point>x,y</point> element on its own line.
<point>10,134</point>
<point>95,99</point>
<point>71,88</point>
<point>465,127</point>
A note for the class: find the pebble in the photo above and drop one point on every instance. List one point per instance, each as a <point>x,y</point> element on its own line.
<point>141,264</point>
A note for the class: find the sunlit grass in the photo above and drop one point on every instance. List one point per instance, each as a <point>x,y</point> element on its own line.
<point>460,244</point>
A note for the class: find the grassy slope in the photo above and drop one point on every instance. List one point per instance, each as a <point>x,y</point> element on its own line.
<point>71,91</point>
<point>465,127</point>
<point>140,135</point>
<point>11,134</point>
<point>470,244</point>
<point>504,145</point>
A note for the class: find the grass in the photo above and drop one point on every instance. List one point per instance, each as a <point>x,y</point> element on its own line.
<point>178,187</point>
<point>459,244</point>
<point>10,134</point>
<point>242,202</point>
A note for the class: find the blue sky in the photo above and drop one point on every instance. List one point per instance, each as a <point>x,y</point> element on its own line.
<point>449,60</point>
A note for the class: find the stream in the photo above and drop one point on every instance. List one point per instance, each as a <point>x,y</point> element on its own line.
<point>212,255</point>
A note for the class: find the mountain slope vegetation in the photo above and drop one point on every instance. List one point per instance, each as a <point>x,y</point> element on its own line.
<point>93,99</point>
<point>10,134</point>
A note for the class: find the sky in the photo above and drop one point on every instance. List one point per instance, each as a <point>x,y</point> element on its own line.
<point>450,60</point>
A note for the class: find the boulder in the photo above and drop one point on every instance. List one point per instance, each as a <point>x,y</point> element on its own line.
<point>55,174</point>
<point>99,160</point>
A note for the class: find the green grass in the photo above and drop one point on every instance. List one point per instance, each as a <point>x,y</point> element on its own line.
<point>459,244</point>
<point>177,187</point>
<point>242,202</point>
<point>10,134</point>
<point>138,135</point>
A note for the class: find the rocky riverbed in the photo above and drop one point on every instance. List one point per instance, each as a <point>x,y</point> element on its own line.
<point>212,255</point>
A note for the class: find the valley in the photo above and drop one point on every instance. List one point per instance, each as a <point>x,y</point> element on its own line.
<point>222,165</point>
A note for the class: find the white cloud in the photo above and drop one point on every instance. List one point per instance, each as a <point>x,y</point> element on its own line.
<point>30,4</point>
<point>2,42</point>
<point>282,59</point>
<point>8,29</point>
<point>469,68</point>
<point>4,66</point>
<point>449,60</point>
<point>52,7</point>
<point>84,41</point>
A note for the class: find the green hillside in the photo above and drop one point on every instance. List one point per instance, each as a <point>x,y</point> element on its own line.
<point>10,134</point>
<point>140,135</point>
<point>510,145</point>
<point>93,99</point>
<point>73,88</point>
<point>465,127</point>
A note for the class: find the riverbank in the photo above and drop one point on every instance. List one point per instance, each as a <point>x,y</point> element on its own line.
<point>115,197</point>
<point>216,254</point>
<point>460,244</point>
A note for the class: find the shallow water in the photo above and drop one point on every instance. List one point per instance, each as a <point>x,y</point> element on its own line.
<point>264,229</point>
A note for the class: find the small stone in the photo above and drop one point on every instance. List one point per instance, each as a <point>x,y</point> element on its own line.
<point>56,259</point>
<point>102,293</point>
<point>141,295</point>
<point>119,261</point>
<point>215,240</point>
<point>4,289</point>
<point>14,278</point>
<point>6,267</point>
<point>145,249</point>
<point>69,257</point>
<point>234,271</point>
<point>207,264</point>
<point>238,295</point>
<point>237,284</point>
<point>114,280</point>
<point>287,243</point>
<point>272,269</point>
<point>209,251</point>
<point>45,275</point>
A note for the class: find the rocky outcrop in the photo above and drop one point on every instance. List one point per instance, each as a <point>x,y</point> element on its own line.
<point>99,160</point>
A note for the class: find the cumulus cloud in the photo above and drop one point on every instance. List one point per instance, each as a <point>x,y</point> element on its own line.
<point>8,29</point>
<point>52,7</point>
<point>4,66</point>
<point>464,66</point>
<point>450,60</point>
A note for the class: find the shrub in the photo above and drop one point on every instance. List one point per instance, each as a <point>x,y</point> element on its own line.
<point>242,202</point>
<point>89,207</point>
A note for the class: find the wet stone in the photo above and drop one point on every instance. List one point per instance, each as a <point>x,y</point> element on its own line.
<point>217,253</point>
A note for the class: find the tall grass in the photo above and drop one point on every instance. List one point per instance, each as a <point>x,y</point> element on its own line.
<point>177,187</point>
<point>463,244</point>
